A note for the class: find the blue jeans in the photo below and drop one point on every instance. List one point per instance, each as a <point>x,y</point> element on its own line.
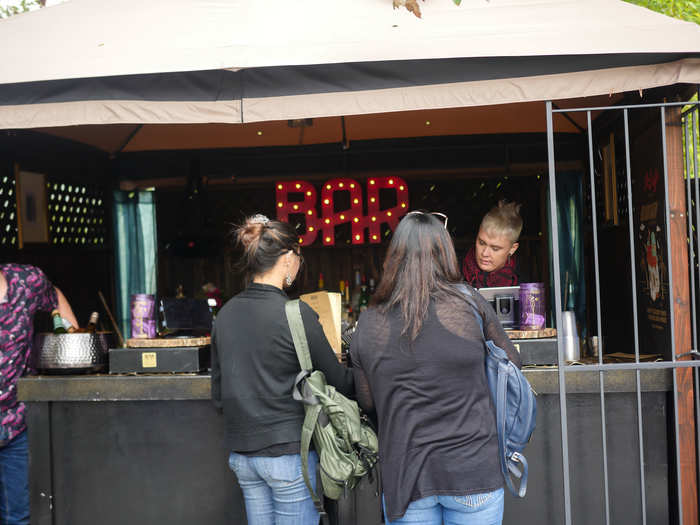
<point>274,489</point>
<point>472,509</point>
<point>14,481</point>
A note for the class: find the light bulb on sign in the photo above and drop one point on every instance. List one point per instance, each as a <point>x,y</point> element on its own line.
<point>307,207</point>
<point>353,214</point>
<point>389,216</point>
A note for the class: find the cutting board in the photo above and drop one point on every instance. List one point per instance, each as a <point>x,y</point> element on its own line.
<point>173,342</point>
<point>532,334</point>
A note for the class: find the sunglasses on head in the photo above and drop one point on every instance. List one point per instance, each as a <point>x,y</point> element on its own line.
<point>434,213</point>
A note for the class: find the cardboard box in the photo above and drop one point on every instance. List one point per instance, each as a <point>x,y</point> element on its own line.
<point>328,307</point>
<point>158,360</point>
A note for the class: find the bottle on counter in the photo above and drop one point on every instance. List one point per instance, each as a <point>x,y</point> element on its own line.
<point>364,295</point>
<point>91,327</point>
<point>347,304</point>
<point>321,284</point>
<point>356,292</point>
<point>341,288</point>
<point>58,326</point>
<point>372,286</point>
<point>345,310</point>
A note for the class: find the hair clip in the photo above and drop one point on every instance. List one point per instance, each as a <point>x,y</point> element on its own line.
<point>259,218</point>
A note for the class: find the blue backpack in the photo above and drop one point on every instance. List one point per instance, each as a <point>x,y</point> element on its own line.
<point>516,408</point>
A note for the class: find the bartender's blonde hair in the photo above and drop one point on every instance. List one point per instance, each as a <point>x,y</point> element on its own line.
<point>504,219</point>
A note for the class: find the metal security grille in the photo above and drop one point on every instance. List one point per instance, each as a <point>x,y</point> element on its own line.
<point>691,135</point>
<point>8,212</point>
<point>76,215</point>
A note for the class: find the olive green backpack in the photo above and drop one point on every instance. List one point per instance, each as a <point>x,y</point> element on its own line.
<point>344,441</point>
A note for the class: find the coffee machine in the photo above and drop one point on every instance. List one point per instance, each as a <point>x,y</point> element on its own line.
<point>505,301</point>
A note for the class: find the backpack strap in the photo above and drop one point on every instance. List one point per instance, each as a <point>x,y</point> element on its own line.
<point>296,326</point>
<point>500,404</point>
<point>468,296</point>
<point>301,392</point>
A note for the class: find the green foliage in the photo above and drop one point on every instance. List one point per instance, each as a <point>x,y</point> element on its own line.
<point>22,7</point>
<point>688,10</point>
<point>691,140</point>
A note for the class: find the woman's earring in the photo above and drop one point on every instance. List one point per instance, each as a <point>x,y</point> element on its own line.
<point>288,280</point>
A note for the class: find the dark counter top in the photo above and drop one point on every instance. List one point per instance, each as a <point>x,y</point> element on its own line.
<point>105,387</point>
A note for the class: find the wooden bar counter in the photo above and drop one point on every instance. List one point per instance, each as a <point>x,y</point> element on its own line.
<point>148,449</point>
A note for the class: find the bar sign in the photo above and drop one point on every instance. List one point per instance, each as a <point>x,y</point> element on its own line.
<point>149,360</point>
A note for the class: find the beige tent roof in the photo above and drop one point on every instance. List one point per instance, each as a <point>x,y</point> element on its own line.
<point>174,62</point>
<point>85,38</point>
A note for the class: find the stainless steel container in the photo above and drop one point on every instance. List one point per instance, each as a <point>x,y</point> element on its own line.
<point>71,352</point>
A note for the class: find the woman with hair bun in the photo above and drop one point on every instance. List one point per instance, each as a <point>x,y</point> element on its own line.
<point>254,364</point>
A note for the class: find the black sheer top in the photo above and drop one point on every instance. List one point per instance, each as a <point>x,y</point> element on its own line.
<point>437,431</point>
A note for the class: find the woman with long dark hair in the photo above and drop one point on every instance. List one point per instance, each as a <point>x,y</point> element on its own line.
<point>419,360</point>
<point>254,364</point>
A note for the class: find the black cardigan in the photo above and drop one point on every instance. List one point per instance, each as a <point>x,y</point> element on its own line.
<point>254,365</point>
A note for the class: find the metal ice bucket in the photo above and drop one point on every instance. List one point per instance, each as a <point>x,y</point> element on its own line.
<point>66,352</point>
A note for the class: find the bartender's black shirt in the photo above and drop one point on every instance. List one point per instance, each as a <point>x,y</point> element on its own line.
<point>437,430</point>
<point>253,369</point>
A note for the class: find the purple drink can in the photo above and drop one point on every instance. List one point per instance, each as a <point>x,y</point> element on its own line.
<point>143,315</point>
<point>532,306</point>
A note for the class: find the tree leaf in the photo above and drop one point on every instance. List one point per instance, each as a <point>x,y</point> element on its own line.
<point>412,6</point>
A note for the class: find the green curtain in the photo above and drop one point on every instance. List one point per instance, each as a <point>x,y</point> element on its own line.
<point>570,222</point>
<point>136,250</point>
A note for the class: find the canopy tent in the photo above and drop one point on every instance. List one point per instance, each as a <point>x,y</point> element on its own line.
<point>234,62</point>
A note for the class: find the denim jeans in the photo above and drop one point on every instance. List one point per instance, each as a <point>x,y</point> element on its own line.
<point>472,509</point>
<point>14,481</point>
<point>274,489</point>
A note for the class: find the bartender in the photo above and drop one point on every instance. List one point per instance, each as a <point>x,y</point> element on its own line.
<point>24,290</point>
<point>491,261</point>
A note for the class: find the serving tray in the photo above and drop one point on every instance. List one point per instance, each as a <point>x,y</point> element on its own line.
<point>173,342</point>
<point>532,334</point>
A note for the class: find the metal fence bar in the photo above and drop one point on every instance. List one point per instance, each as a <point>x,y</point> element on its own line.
<point>557,310</point>
<point>691,246</point>
<point>697,190</point>
<point>694,113</point>
<point>594,216</point>
<point>633,276</point>
<point>652,365</point>
<point>628,106</point>
<point>667,215</point>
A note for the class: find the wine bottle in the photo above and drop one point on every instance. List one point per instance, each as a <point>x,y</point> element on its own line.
<point>348,304</point>
<point>57,320</point>
<point>356,292</point>
<point>364,295</point>
<point>344,306</point>
<point>92,323</point>
<point>91,327</point>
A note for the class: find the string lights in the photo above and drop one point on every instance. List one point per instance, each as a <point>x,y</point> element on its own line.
<point>300,198</point>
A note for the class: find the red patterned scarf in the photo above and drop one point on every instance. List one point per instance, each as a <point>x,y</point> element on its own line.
<point>506,276</point>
